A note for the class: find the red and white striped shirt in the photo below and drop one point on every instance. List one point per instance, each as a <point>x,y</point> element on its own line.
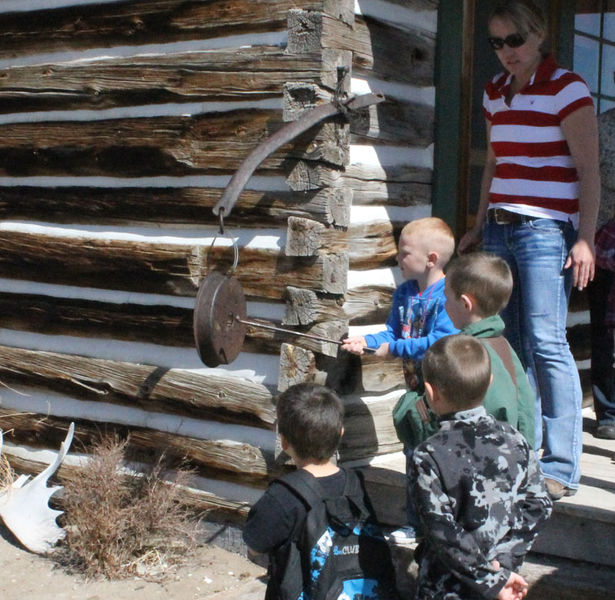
<point>535,174</point>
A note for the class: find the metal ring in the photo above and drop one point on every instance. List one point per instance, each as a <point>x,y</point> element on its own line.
<point>223,234</point>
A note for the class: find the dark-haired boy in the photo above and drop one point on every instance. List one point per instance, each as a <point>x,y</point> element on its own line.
<point>481,505</point>
<point>310,421</point>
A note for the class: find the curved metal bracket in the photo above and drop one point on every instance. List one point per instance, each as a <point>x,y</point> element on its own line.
<point>283,136</point>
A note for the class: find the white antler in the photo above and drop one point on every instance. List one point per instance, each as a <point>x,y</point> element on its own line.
<point>24,506</point>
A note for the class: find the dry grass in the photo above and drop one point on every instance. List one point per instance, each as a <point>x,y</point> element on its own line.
<point>120,525</point>
<point>7,475</point>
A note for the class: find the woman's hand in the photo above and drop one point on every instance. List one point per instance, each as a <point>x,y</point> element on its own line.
<point>471,239</point>
<point>581,259</point>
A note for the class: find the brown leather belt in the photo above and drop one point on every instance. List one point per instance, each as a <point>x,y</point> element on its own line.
<point>502,216</point>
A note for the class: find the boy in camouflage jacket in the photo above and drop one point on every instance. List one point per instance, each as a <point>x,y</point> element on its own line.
<point>478,490</point>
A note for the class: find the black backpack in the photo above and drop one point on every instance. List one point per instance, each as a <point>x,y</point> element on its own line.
<point>339,552</point>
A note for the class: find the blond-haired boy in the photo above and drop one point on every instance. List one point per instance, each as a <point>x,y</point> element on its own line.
<point>417,317</point>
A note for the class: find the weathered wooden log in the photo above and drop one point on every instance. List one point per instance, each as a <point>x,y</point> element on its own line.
<point>368,304</point>
<point>345,373</point>
<point>414,192</point>
<point>306,307</point>
<point>225,458</point>
<point>301,94</point>
<point>170,205</point>
<point>376,46</point>
<point>155,324</point>
<point>155,389</point>
<point>198,500</point>
<point>217,75</point>
<point>307,175</point>
<point>369,245</point>
<point>134,147</point>
<point>131,23</point>
<point>379,375</point>
<point>368,428</point>
<point>405,180</point>
<point>392,120</point>
<point>162,268</point>
<point>397,172</point>
<point>152,324</point>
<point>297,365</point>
<point>305,237</point>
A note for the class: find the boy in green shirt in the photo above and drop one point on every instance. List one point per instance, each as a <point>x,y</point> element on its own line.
<point>477,288</point>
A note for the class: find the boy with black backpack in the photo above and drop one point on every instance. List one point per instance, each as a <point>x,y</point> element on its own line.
<point>316,522</point>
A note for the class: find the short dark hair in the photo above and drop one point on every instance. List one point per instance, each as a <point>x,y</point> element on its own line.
<point>459,367</point>
<point>311,418</point>
<point>484,276</point>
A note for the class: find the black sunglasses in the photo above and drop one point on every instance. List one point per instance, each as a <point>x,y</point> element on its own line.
<point>514,40</point>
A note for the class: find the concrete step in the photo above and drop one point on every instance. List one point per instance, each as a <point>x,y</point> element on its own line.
<point>548,577</point>
<point>582,526</point>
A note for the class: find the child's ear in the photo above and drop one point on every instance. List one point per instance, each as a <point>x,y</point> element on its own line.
<point>342,431</point>
<point>429,391</point>
<point>432,258</point>
<point>284,442</point>
<point>468,302</point>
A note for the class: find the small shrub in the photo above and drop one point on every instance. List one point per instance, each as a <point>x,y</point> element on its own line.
<point>119,524</point>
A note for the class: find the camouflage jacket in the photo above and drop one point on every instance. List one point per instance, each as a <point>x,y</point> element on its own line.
<point>480,497</point>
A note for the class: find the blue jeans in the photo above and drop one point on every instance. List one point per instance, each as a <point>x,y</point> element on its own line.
<point>536,251</point>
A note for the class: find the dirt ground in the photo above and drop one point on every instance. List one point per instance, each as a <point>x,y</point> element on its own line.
<point>211,573</point>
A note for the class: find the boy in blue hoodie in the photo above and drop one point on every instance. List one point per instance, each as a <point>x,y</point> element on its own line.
<point>418,317</point>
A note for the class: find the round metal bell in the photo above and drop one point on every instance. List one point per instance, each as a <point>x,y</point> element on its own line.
<point>218,334</point>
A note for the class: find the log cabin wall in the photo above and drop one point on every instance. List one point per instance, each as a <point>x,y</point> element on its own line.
<point>122,123</point>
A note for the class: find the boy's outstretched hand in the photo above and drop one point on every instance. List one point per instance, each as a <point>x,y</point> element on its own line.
<point>358,345</point>
<point>354,344</point>
<point>515,589</point>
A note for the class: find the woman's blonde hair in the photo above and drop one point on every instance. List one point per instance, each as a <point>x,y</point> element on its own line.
<point>526,16</point>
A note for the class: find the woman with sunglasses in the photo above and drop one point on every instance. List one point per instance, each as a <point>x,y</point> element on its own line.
<point>538,204</point>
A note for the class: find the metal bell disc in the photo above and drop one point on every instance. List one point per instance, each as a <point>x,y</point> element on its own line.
<point>218,334</point>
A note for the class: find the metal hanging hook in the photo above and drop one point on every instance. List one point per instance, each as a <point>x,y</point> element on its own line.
<point>221,220</point>
<point>223,234</point>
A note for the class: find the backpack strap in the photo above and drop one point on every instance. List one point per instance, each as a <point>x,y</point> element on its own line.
<point>503,350</point>
<point>306,487</point>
